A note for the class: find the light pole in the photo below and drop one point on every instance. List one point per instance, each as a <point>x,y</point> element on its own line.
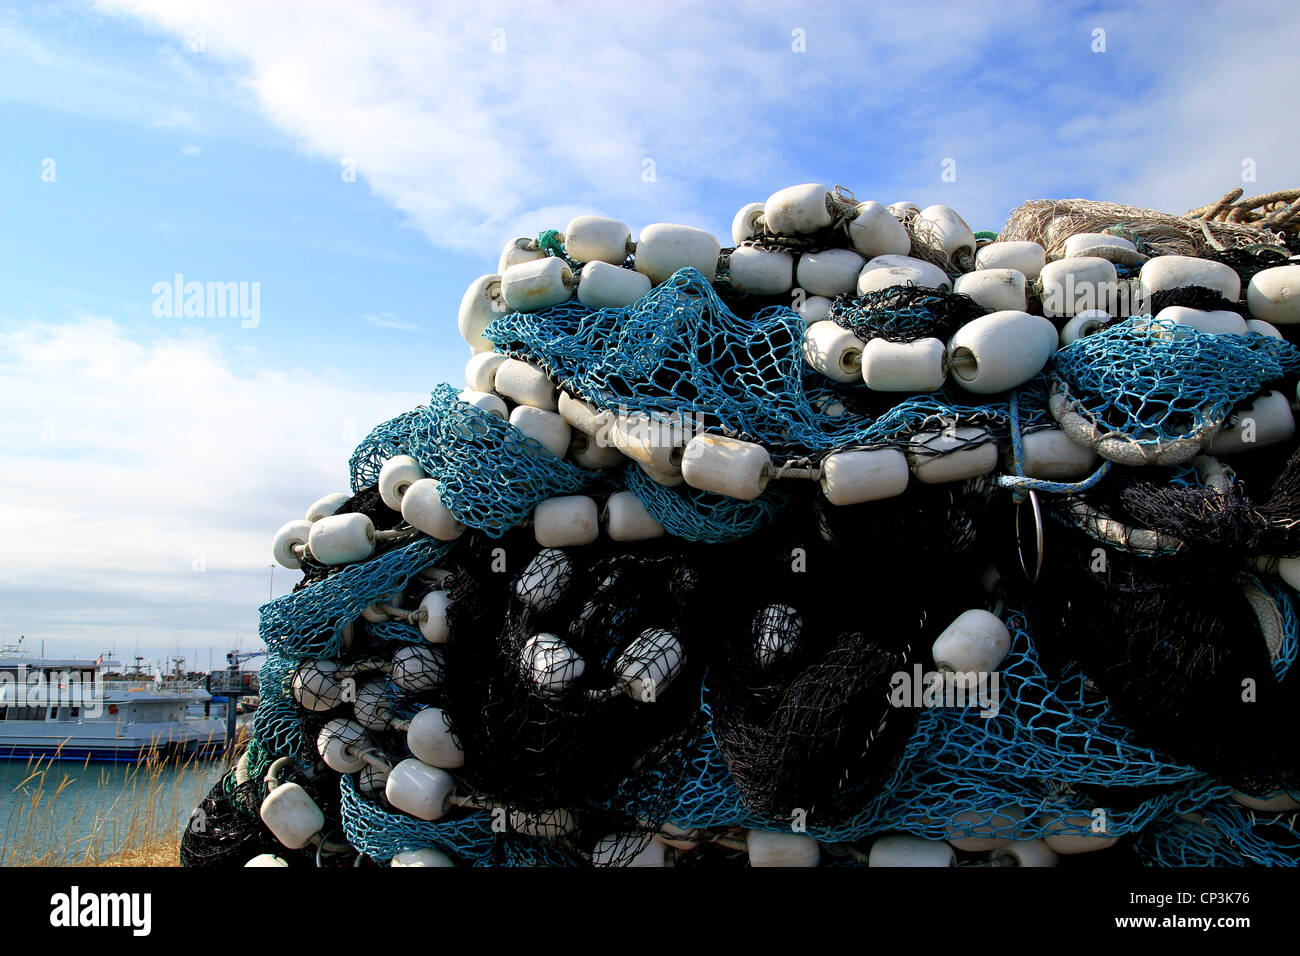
<point>270,588</point>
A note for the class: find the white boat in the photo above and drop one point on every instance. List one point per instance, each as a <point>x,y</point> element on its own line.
<point>66,709</point>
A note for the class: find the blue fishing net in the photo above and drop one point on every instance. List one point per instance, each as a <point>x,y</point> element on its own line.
<point>382,834</point>
<point>277,723</point>
<point>700,515</point>
<point>1222,834</point>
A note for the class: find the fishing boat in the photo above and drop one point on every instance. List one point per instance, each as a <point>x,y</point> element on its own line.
<point>80,709</point>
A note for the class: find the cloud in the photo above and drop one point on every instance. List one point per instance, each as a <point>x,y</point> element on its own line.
<point>189,149</point>
<point>175,118</point>
<point>145,479</point>
<point>386,320</point>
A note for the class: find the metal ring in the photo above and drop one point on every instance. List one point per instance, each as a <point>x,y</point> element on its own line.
<point>1038,538</point>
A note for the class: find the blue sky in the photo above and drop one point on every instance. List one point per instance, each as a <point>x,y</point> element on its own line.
<point>148,459</point>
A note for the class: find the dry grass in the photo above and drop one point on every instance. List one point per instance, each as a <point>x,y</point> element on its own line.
<point>62,819</point>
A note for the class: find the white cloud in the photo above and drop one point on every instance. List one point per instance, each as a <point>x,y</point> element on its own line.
<point>131,462</point>
<point>189,149</point>
<point>386,320</point>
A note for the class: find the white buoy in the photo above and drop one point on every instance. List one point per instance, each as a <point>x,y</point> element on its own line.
<point>397,474</point>
<point>583,416</point>
<point>758,271</point>
<point>943,456</point>
<point>539,284</point>
<point>292,816</point>
<point>292,534</point>
<point>545,579</point>
<point>420,790</point>
<point>425,857</point>
<point>589,453</point>
<point>481,370</point>
<point>999,351</point>
<point>920,366</point>
<point>627,520</point>
<point>336,744</point>
<point>1034,853</point>
<point>327,505</point>
<point>518,251</point>
<point>526,384</point>
<point>1052,455</point>
<point>796,210</point>
<point>1278,802</point>
<point>266,859</point>
<point>628,849</point>
<point>975,831</point>
<point>900,849</point>
<point>603,286</point>
<point>315,686</point>
<point>1081,242</point>
<point>1263,328</point>
<point>775,848</point>
<point>342,539</point>
<point>430,739</point>
<point>852,477</point>
<point>1216,322</point>
<point>1267,420</point>
<point>649,663</point>
<point>940,228</point>
<point>566,521</point>
<point>875,231</point>
<point>830,272</point>
<point>1274,295</point>
<point>547,428</point>
<point>903,210</point>
<point>1078,284</point>
<point>726,466</point>
<point>1163,273</point>
<point>547,825</point>
<point>833,350</point>
<point>745,224</point>
<point>433,617</point>
<point>415,668</point>
<point>1083,324</point>
<point>485,401</point>
<point>597,239</point>
<point>663,248</point>
<point>655,442</point>
<point>422,509</point>
<point>996,289</point>
<point>373,707</point>
<point>884,272</point>
<point>481,304</point>
<point>813,308</point>
<point>976,642</point>
<point>551,664</point>
<point>777,629</point>
<point>1027,258</point>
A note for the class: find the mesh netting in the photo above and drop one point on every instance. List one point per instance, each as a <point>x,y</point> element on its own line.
<point>905,313</point>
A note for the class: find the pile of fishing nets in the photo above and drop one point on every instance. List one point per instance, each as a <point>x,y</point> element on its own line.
<point>866,540</point>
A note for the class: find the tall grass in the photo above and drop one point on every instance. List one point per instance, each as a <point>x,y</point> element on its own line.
<point>61,819</point>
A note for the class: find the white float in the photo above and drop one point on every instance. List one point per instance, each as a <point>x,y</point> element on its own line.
<point>942,229</point>
<point>603,286</point>
<point>337,743</point>
<point>886,271</point>
<point>1267,420</point>
<point>342,539</point>
<point>547,825</point>
<point>420,790</point>
<point>566,521</point>
<point>397,474</point>
<point>920,366</point>
<point>415,668</point>
<point>649,663</point>
<point>481,370</point>
<point>545,579</point>
<point>1000,351</point>
<point>745,224</point>
<point>1178,272</point>
<point>589,453</point>
<point>422,509</point>
<point>551,664</point>
<point>830,272</point>
<point>597,239</point>
<point>539,284</point>
<point>626,519</point>
<point>481,304</point>
<point>292,816</point>
<point>852,477</point>
<point>1217,322</point>
<point>976,642</point>
<point>266,859</point>
<point>797,210</point>
<point>773,848</point>
<point>485,401</point>
<point>663,248</point>
<point>777,629</point>
<point>939,457</point>
<point>583,416</point>
<point>433,616</point>
<point>1028,853</point>
<point>1081,242</point>
<point>726,466</point>
<point>758,271</point>
<point>547,428</point>
<point>975,831</point>
<point>1052,455</point>
<point>901,849</point>
<point>525,384</point>
<point>292,535</point>
<point>996,289</point>
<point>1263,328</point>
<point>833,350</point>
<point>876,231</point>
<point>1027,258</point>
<point>425,857</point>
<point>1083,324</point>
<point>518,251</point>
<point>903,210</point>
<point>315,686</point>
<point>1279,802</point>
<point>813,308</point>
<point>1078,284</point>
<point>373,707</point>
<point>430,739</point>
<point>1274,295</point>
<point>628,849</point>
<point>325,506</point>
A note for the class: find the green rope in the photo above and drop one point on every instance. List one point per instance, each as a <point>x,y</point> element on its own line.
<point>549,242</point>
